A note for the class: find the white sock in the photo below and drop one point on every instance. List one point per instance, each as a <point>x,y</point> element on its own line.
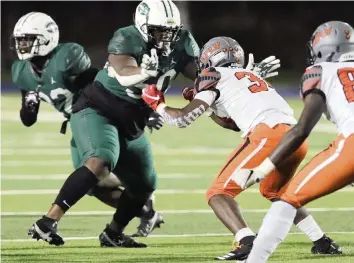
<point>309,227</point>
<point>244,232</point>
<point>276,225</point>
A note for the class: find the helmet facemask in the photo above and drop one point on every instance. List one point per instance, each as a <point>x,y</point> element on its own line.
<point>163,37</point>
<point>26,46</point>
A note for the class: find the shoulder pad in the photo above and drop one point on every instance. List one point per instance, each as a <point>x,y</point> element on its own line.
<point>190,45</point>
<point>125,41</point>
<point>207,79</point>
<point>74,58</point>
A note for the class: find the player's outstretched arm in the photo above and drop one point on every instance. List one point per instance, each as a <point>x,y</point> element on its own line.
<point>180,117</point>
<point>29,108</point>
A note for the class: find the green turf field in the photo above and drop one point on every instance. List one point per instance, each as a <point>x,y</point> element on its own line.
<point>36,160</point>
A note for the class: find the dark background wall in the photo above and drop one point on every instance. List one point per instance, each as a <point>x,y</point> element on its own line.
<point>263,28</point>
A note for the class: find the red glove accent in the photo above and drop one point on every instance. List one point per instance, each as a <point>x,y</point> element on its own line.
<point>152,96</point>
<point>188,94</point>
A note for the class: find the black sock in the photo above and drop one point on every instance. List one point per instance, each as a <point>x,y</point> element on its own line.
<point>75,187</point>
<point>128,208</point>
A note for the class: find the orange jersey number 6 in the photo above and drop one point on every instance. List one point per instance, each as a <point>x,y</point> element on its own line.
<point>257,84</point>
<point>346,78</point>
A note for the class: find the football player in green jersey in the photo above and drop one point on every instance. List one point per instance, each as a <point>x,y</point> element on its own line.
<point>56,73</point>
<point>109,117</point>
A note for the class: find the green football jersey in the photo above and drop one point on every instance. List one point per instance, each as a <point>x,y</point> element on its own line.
<point>56,83</point>
<point>128,41</point>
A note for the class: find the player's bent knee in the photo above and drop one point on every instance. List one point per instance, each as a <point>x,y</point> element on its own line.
<point>101,158</point>
<point>212,192</point>
<point>292,200</point>
<point>270,195</point>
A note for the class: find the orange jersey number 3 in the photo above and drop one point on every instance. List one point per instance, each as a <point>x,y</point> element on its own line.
<point>346,78</point>
<point>257,84</point>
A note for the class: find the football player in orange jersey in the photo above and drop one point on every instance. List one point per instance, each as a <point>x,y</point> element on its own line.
<point>228,90</point>
<point>326,87</point>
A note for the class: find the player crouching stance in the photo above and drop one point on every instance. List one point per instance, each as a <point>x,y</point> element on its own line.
<point>261,114</point>
<point>327,87</point>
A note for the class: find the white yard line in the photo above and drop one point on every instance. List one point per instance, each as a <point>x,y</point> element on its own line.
<point>156,150</point>
<point>201,211</point>
<point>160,191</point>
<point>51,163</point>
<point>168,236</point>
<point>55,117</point>
<point>60,177</point>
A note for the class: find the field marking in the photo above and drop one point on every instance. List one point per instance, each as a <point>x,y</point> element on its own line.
<point>51,163</point>
<point>60,177</point>
<point>196,211</point>
<point>56,117</point>
<point>169,236</point>
<point>156,150</point>
<point>160,191</point>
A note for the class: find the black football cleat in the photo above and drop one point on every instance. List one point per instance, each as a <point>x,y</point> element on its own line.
<point>109,238</point>
<point>326,246</point>
<point>147,225</point>
<point>240,250</point>
<point>46,229</point>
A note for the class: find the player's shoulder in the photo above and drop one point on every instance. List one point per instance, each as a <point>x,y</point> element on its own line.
<point>187,43</point>
<point>313,71</point>
<point>69,49</point>
<point>17,69</point>
<point>68,55</point>
<point>126,40</point>
<point>128,31</point>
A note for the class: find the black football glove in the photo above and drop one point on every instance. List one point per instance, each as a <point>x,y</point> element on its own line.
<point>32,101</point>
<point>155,121</point>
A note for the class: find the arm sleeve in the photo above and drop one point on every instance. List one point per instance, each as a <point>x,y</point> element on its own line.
<point>311,82</point>
<point>190,113</point>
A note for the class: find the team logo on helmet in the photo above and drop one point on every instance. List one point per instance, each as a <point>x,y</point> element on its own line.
<point>143,9</point>
<point>322,34</point>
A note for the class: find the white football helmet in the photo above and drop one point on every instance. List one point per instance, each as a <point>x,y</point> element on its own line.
<point>35,34</point>
<point>331,41</point>
<point>159,23</point>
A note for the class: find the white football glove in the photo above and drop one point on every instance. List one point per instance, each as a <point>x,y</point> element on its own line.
<point>266,68</point>
<point>150,64</point>
<point>248,177</point>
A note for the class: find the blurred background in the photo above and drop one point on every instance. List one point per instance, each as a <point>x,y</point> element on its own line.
<point>263,28</point>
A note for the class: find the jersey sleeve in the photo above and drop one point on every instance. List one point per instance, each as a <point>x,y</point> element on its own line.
<point>311,81</point>
<point>76,60</point>
<point>15,72</point>
<point>122,43</point>
<point>207,79</point>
